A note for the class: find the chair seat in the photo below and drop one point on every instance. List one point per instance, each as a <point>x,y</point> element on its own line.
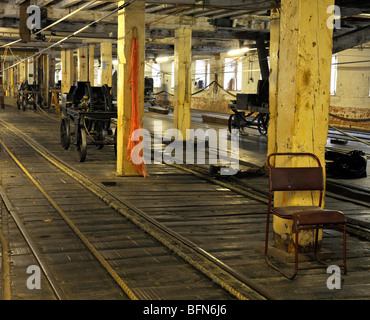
<point>310,215</point>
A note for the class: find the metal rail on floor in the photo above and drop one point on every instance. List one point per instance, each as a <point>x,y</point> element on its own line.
<point>59,293</point>
<point>220,273</point>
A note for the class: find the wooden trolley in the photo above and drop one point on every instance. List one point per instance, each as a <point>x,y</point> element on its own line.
<point>91,111</point>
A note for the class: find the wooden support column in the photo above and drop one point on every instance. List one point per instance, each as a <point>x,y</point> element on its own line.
<point>106,63</point>
<point>67,70</point>
<point>182,99</point>
<point>273,78</point>
<point>74,68</point>
<point>48,76</point>
<point>130,20</point>
<point>40,77</point>
<point>2,92</point>
<point>91,64</point>
<point>6,79</point>
<point>30,75</point>
<point>303,96</point>
<point>23,71</point>
<point>18,74</point>
<point>12,82</point>
<point>83,72</point>
<point>51,67</point>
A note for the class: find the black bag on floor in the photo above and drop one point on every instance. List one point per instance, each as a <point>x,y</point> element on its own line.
<point>351,165</point>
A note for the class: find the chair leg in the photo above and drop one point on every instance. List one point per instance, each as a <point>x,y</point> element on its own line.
<point>296,252</point>
<point>266,255</point>
<point>316,243</point>
<point>344,250</point>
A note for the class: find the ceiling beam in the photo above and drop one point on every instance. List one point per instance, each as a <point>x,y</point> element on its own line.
<point>42,3</point>
<point>351,39</point>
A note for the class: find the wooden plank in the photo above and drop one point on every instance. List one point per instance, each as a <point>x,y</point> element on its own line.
<point>182,99</point>
<point>306,117</point>
<point>130,19</point>
<point>67,70</point>
<point>82,64</point>
<point>106,63</point>
<point>91,64</point>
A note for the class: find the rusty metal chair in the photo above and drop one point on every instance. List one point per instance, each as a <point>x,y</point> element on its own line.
<point>303,217</point>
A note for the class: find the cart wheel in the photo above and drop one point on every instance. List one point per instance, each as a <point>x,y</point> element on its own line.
<point>24,103</point>
<point>107,97</point>
<point>101,133</point>
<point>65,133</point>
<point>81,144</point>
<point>234,123</point>
<point>19,101</point>
<point>263,121</point>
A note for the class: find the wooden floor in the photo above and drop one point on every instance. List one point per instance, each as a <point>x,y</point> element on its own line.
<point>222,222</point>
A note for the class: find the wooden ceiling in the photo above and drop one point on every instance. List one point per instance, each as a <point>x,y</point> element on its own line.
<point>218,25</point>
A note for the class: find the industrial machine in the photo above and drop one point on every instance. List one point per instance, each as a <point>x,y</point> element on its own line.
<point>90,110</point>
<point>257,106</point>
<point>149,99</point>
<point>29,96</point>
<point>148,91</point>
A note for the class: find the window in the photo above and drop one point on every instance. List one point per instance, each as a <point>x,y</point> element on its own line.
<point>156,75</point>
<point>233,74</point>
<point>334,74</point>
<point>239,76</point>
<point>202,75</point>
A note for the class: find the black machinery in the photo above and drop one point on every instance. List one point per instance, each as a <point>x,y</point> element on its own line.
<point>257,105</point>
<point>29,96</point>
<point>149,99</point>
<point>91,110</point>
<point>148,91</point>
<point>254,104</point>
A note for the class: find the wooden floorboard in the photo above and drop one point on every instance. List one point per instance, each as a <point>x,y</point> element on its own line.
<point>223,222</point>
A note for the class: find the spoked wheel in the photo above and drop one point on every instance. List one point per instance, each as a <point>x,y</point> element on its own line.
<point>81,144</point>
<point>101,133</point>
<point>233,123</point>
<point>263,122</point>
<point>107,97</point>
<point>19,101</point>
<point>65,133</point>
<point>24,103</point>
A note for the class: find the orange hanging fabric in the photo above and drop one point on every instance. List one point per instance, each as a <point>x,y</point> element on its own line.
<point>136,130</point>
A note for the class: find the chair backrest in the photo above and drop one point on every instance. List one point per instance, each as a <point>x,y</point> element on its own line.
<point>296,178</point>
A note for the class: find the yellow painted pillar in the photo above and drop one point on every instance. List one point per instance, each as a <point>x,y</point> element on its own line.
<point>303,96</point>
<point>30,75</point>
<point>23,70</point>
<point>6,79</point>
<point>182,98</point>
<point>91,64</point>
<point>18,72</point>
<point>74,68</point>
<point>106,63</point>
<point>67,70</point>
<point>273,78</point>
<point>130,20</point>
<point>12,82</point>
<point>82,54</point>
<point>2,91</point>
<point>48,78</point>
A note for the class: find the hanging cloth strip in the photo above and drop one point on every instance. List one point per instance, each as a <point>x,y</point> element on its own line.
<point>135,137</point>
